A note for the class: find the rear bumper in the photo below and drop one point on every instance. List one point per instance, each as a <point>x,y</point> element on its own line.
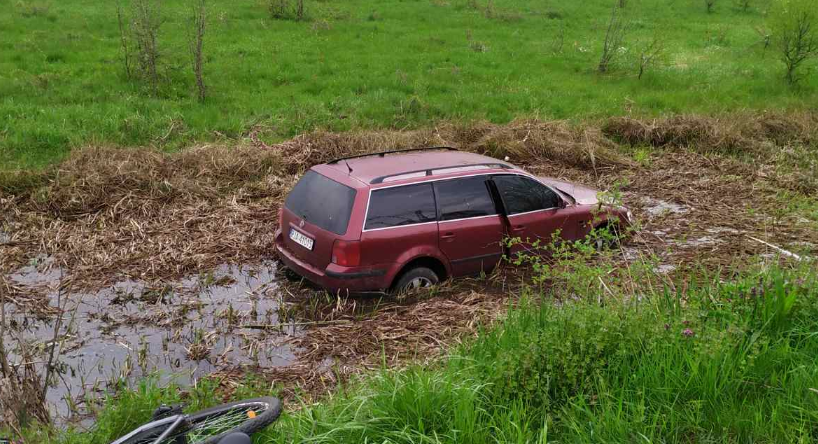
<point>335,277</point>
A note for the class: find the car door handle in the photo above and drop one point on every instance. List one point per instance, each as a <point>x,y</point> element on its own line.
<point>447,236</point>
<point>518,227</point>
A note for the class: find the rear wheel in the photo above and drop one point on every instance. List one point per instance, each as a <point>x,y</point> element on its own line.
<point>416,279</point>
<point>209,426</point>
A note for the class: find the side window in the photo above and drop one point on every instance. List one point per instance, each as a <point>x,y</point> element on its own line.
<point>521,194</point>
<point>405,205</point>
<point>464,198</point>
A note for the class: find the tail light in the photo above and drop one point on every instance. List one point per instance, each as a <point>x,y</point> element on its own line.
<point>281,217</point>
<point>346,253</point>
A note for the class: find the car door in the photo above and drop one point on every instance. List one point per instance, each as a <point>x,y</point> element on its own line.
<point>534,211</point>
<point>470,226</point>
<point>399,219</point>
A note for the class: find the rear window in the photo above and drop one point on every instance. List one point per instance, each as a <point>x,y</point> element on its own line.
<point>322,201</point>
<point>464,198</point>
<point>405,205</point>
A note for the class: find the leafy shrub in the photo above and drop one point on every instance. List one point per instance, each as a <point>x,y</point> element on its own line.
<point>795,30</point>
<point>140,42</point>
<point>562,352</point>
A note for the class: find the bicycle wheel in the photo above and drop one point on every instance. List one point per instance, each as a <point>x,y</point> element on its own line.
<point>211,425</point>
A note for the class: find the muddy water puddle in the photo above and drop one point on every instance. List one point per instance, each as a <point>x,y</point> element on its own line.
<point>179,330</point>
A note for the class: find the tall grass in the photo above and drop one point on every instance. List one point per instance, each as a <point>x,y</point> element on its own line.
<point>732,362</point>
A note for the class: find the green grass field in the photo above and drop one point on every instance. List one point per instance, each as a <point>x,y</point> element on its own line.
<point>360,64</point>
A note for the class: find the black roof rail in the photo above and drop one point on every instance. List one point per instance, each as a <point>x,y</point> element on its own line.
<point>383,153</point>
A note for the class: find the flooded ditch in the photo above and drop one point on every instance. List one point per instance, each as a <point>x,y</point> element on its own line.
<point>179,330</point>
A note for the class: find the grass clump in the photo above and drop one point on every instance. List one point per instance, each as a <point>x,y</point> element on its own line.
<point>757,136</point>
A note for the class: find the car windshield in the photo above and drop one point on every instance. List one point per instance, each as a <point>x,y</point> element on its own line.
<point>322,201</point>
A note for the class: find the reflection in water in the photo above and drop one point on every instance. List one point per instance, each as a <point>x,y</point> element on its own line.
<point>180,330</point>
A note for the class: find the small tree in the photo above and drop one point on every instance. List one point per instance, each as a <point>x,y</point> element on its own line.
<point>613,38</point>
<point>794,23</point>
<point>125,45</point>
<point>146,23</point>
<point>650,54</point>
<point>299,10</point>
<point>139,40</point>
<point>197,46</point>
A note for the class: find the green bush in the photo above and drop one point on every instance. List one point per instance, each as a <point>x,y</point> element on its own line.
<point>547,356</point>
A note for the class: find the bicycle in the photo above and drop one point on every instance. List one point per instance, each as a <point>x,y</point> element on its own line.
<point>209,426</point>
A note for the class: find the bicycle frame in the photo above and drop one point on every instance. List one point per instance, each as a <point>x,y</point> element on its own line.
<point>174,421</point>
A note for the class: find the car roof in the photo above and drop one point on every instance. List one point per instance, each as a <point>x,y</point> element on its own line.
<point>378,169</point>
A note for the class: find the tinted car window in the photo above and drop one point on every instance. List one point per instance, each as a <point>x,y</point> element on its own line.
<point>521,194</point>
<point>405,205</point>
<point>322,201</point>
<point>463,198</point>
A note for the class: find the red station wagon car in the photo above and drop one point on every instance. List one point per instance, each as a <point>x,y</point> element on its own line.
<point>412,218</point>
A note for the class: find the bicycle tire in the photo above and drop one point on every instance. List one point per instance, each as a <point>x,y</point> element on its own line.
<point>270,411</point>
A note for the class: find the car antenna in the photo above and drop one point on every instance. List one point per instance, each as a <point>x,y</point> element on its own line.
<point>350,168</point>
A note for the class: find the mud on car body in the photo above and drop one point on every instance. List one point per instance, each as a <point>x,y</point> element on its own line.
<point>412,218</point>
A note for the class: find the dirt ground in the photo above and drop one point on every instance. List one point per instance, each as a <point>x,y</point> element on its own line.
<point>171,254</point>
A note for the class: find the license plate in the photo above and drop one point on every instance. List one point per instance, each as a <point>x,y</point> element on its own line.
<point>301,239</point>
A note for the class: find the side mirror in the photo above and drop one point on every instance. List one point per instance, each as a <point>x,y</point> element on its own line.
<point>562,204</point>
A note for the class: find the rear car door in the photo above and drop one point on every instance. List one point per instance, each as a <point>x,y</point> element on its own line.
<point>400,221</point>
<point>534,211</point>
<point>470,228</point>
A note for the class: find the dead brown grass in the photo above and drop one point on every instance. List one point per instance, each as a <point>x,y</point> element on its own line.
<point>22,400</point>
<point>125,180</point>
<point>743,134</point>
<point>525,142</point>
<point>343,336</point>
<point>20,397</point>
<point>146,215</point>
<point>109,213</point>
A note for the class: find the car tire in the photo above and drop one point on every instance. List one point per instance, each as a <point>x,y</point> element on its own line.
<point>416,279</point>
